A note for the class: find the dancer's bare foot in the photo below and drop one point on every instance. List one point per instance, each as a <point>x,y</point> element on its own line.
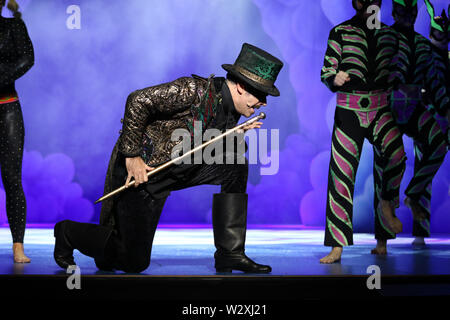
<point>387,209</point>
<point>417,211</point>
<point>333,256</point>
<point>381,248</point>
<point>19,255</point>
<point>419,242</point>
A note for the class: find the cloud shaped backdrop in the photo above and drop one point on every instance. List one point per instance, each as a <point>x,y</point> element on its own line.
<point>74,97</point>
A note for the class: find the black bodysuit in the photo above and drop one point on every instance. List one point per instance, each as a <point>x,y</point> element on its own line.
<point>16,58</point>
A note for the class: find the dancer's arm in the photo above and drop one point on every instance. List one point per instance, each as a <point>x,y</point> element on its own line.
<point>332,60</point>
<point>9,72</point>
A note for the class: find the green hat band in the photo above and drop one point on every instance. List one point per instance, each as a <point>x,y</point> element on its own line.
<point>258,65</point>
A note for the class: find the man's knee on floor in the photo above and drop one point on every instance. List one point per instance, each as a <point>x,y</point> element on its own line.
<point>136,258</point>
<point>137,265</point>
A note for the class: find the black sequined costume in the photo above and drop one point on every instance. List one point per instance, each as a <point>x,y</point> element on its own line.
<point>16,58</point>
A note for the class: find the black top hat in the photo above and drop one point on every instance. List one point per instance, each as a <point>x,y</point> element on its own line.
<point>256,68</point>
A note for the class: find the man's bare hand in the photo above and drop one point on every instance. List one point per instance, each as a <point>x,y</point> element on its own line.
<point>254,125</point>
<point>341,78</point>
<point>137,168</point>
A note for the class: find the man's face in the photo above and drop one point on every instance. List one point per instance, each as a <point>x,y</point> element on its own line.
<point>248,100</point>
<point>406,17</point>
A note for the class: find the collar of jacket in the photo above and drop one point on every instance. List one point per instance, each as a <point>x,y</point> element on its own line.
<point>216,108</point>
<point>205,110</point>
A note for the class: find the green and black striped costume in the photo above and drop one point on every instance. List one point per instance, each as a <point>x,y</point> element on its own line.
<point>417,72</point>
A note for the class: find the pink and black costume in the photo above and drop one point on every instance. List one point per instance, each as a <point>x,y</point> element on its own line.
<point>362,112</point>
<point>417,72</point>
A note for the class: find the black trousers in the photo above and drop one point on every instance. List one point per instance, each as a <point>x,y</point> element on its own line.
<point>12,135</point>
<point>137,210</point>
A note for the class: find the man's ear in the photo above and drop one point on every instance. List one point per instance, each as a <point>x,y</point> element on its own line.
<point>240,88</point>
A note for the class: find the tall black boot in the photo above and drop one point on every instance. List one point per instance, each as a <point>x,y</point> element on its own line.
<point>229,216</point>
<point>90,239</point>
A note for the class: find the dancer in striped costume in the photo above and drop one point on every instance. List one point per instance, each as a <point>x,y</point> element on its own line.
<point>417,72</point>
<point>357,65</point>
<point>439,38</point>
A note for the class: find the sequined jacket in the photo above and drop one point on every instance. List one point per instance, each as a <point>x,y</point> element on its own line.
<point>152,114</point>
<point>16,53</point>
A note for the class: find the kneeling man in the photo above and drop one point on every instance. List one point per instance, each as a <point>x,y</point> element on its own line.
<point>123,240</point>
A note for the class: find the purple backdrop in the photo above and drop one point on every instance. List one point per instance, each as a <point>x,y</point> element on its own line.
<point>74,97</point>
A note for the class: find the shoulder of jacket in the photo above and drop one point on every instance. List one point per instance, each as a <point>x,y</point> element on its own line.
<point>203,82</point>
<point>188,81</point>
<point>197,77</point>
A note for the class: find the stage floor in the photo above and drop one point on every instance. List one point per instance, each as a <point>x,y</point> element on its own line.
<point>182,251</point>
<point>182,274</point>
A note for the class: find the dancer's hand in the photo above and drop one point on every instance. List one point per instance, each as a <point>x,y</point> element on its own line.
<point>137,168</point>
<point>341,78</point>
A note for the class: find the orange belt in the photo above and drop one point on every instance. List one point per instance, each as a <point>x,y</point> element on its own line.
<point>8,98</point>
